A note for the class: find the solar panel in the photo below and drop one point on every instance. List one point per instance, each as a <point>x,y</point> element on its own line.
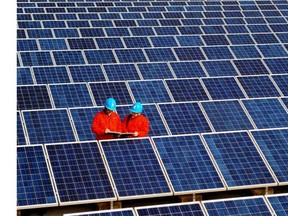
<point>187,69</point>
<point>118,90</point>
<point>184,118</point>
<point>189,53</point>
<point>33,97</point>
<point>184,40</point>
<point>46,75</point>
<point>220,68</point>
<point>285,101</point>
<point>186,90</point>
<point>48,126</point>
<point>135,168</point>
<point>99,56</point>
<point>21,140</point>
<point>155,70</point>
<point>149,91</point>
<point>114,32</point>
<point>54,24</point>
<point>24,76</point>
<point>164,41</point>
<point>238,160</point>
<point>29,24</point>
<point>81,43</point>
<point>267,113</point>
<point>92,32</point>
<point>121,72</point>
<point>65,32</point>
<point>52,44</point>
<point>109,43</point>
<point>36,58</point>
<point>240,39</point>
<point>215,39</point>
<point>27,45</point>
<point>80,174</point>
<point>245,51</point>
<point>270,50</point>
<point>34,184</point>
<point>188,164</point>
<point>39,33</point>
<point>279,203</point>
<point>160,54</point>
<point>218,52</point>
<point>266,38</point>
<point>274,145</point>
<point>277,65</point>
<point>86,73</point>
<point>282,83</point>
<point>68,57</point>
<point>130,55</point>
<point>112,212</point>
<point>250,66</point>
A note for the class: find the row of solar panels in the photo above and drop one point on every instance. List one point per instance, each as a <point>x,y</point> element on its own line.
<point>258,205</point>
<point>125,169</point>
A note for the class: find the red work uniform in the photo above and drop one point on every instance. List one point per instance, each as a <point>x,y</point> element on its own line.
<point>138,123</point>
<point>102,121</point>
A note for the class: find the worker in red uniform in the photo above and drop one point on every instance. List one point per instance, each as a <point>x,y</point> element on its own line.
<point>106,121</point>
<point>135,122</point>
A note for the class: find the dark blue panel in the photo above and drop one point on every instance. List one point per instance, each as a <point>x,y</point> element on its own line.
<point>245,51</point>
<point>130,55</point>
<point>223,88</point>
<point>79,172</point>
<point>117,90</point>
<point>92,32</point>
<point>43,16</point>
<point>250,67</point>
<point>283,37</point>
<point>135,179</point>
<point>267,113</point>
<point>227,115</point>
<point>109,43</point>
<point>233,21</point>
<point>190,30</point>
<point>54,24</point>
<point>109,16</point>
<point>238,159</point>
<point>78,23</point>
<point>258,28</point>
<point>170,22</point>
<point>274,145</point>
<point>70,95</point>
<point>53,44</point>
<point>265,38</point>
<point>258,86</point>
<point>68,57</point>
<point>32,10</point>
<point>24,76</point>
<point>117,32</point>
<point>213,29</point>
<point>238,39</point>
<point>48,126</point>
<point>113,212</point>
<point>236,29</point>
<point>189,53</point>
<point>189,40</point>
<point>160,54</point>
<point>285,101</point>
<point>21,33</point>
<point>155,71</point>
<point>218,52</point>
<point>46,75</point>
<point>81,43</point>
<point>279,204</point>
<point>168,41</point>
<point>86,73</point>
<point>172,15</point>
<point>152,15</point>
<point>279,27</point>
<point>142,31</point>
<point>88,16</point>
<point>186,90</point>
<point>277,20</point>
<point>187,69</point>
<point>36,58</point>
<point>34,186</point>
<point>136,42</point>
<point>121,72</point>
<point>134,15</point>
<point>150,91</point>
<point>20,131</point>
<point>220,68</point>
<point>215,40</point>
<point>147,22</point>
<point>171,30</point>
<point>26,45</point>
<point>40,33</point>
<point>213,21</point>
<point>66,33</point>
<point>126,23</point>
<point>99,56</point>
<point>187,163</point>
<point>33,97</point>
<point>213,14</point>
<point>61,10</point>
<point>29,24</point>
<point>273,50</point>
<point>184,118</point>
<point>23,17</point>
<point>282,82</point>
<point>191,22</point>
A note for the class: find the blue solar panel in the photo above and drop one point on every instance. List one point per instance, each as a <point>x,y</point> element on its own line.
<point>54,24</point>
<point>80,173</point>
<point>160,54</point>
<point>277,65</point>
<point>155,71</point>
<point>52,44</point>
<point>241,206</point>
<point>68,57</point>
<point>112,212</point>
<point>279,203</point>
<point>215,40</point>
<point>21,140</point>
<point>92,32</point>
<point>189,53</point>
<point>48,126</point>
<point>223,88</point>
<point>109,43</point>
<point>186,90</point>
<point>81,43</point>
<point>36,58</point>
<point>46,75</point>
<point>34,185</point>
<point>118,72</point>
<point>285,101</point>
<point>115,31</point>
<point>250,66</point>
<point>270,50</point>
<point>265,38</point>
<point>189,40</point>
<point>187,69</point>
<point>142,31</point>
<point>117,90</point>
<point>27,45</point>
<point>24,76</point>
<point>238,159</point>
<point>164,30</point>
<point>267,113</point>
<point>33,97</point>
<point>282,83</point>
<point>21,33</point>
<point>240,39</point>
<point>236,29</point>
<point>135,168</point>
<point>70,95</point>
<point>184,118</point>
<point>218,52</point>
<point>213,29</point>
<point>188,164</point>
<point>66,32</point>
<point>86,73</point>
<point>99,56</point>
<point>77,23</point>
<point>164,41</point>
<point>245,51</point>
<point>136,42</point>
<point>258,86</point>
<point>220,68</point>
<point>150,91</point>
<point>29,24</point>
<point>130,55</point>
<point>39,33</point>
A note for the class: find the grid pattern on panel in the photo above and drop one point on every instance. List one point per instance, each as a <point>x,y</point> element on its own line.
<point>118,72</point>
<point>134,167</point>
<point>282,83</point>
<point>277,66</point>
<point>24,76</point>
<point>130,55</point>
<point>267,113</point>
<point>33,97</point>
<point>155,71</point>
<point>189,53</point>
<point>245,51</point>
<point>20,131</point>
<point>238,159</point>
<point>186,90</point>
<point>46,75</point>
<point>48,126</point>
<point>160,54</point>
<point>245,207</point>
<point>120,212</point>
<point>285,101</point>
<point>227,115</point>
<point>279,204</point>
<point>217,52</point>
<point>250,66</point>
<point>27,45</point>
<point>81,43</point>
<point>36,58</point>
<point>109,43</point>
<point>34,186</point>
<point>272,50</point>
<point>152,91</point>
<point>136,42</point>
<point>184,118</point>
<point>86,73</point>
<point>187,163</point>
<point>117,90</point>
<point>220,68</point>
<point>68,57</point>
<point>70,95</point>
<point>79,172</point>
<point>274,145</point>
<point>99,56</point>
<point>187,69</point>
<point>52,44</point>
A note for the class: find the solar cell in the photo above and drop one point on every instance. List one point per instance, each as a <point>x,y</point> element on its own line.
<point>238,160</point>
<point>164,30</point>
<point>149,91</point>
<point>78,23</point>
<point>250,51</point>
<point>220,68</point>
<point>60,10</point>
<point>240,39</point>
<point>66,33</point>
<point>21,33</point>
<point>43,16</point>
<point>236,29</point>
<point>279,203</point>
<point>130,55</point>
<point>86,73</point>
<point>27,45</point>
<point>52,44</point>
<point>21,140</point>
<point>189,53</point>
<point>29,24</point>
<point>267,113</point>
<point>88,16</point>
<point>100,56</point>
<point>250,66</point>
<point>142,31</point>
<point>273,50</point>
<point>118,90</point>
<point>184,118</point>
<point>215,40</point>
<point>110,32</point>
<point>126,23</point>
<point>112,212</point>
<point>80,173</point>
<point>190,22</point>
<point>135,168</point>
<point>92,32</point>
<point>132,15</point>
<point>282,83</point>
<point>33,97</point>
<point>46,75</point>
<point>164,41</point>
<point>213,21</point>
<point>234,20</point>
<point>187,69</point>
<point>109,43</point>
<point>40,58</point>
<point>190,30</point>
<point>24,76</point>
<point>81,43</point>
<point>34,185</point>
<point>39,33</point>
<point>189,40</point>
<point>285,101</point>
<point>147,22</point>
<point>121,72</point>
<point>279,27</point>
<point>188,164</point>
<point>265,38</point>
<point>186,90</point>
<point>155,70</point>
<point>160,54</point>
<point>258,86</point>
<point>213,29</point>
<point>218,52</point>
<point>68,57</point>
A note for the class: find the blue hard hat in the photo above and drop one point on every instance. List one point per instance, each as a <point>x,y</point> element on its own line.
<point>136,108</point>
<point>110,104</point>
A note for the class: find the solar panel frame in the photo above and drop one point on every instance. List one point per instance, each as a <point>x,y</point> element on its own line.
<point>278,203</point>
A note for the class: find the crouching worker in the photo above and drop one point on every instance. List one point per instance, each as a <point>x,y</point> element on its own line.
<point>135,122</point>
<point>106,121</point>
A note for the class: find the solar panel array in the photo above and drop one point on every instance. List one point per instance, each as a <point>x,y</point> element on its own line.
<point>212,76</point>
